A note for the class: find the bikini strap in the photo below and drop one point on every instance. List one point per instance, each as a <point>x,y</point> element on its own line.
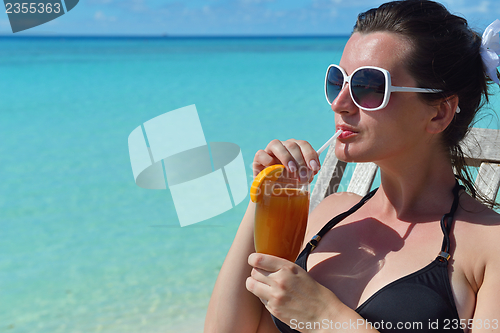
<point>447,222</point>
<point>334,221</point>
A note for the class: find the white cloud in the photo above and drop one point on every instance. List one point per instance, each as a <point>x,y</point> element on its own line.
<point>467,7</point>
<point>4,23</point>
<point>280,13</point>
<point>98,16</point>
<point>100,2</point>
<point>248,2</point>
<point>453,3</point>
<point>483,7</point>
<point>101,17</point>
<point>138,5</point>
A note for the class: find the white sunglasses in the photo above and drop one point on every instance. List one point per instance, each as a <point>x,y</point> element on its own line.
<point>370,87</point>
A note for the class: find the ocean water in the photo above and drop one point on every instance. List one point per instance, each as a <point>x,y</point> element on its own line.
<point>82,248</point>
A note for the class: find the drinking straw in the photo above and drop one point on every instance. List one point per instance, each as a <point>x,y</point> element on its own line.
<point>329,142</point>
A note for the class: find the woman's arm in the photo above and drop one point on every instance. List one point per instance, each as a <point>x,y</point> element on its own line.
<point>487,311</point>
<point>232,307</point>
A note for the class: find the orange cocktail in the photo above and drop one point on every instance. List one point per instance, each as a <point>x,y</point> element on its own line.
<point>281,217</point>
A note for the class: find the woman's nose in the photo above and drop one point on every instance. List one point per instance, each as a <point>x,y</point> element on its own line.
<point>343,102</point>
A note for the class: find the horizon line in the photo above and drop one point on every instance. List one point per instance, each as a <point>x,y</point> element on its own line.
<point>174,36</point>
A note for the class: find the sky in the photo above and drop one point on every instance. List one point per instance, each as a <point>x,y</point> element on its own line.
<point>229,17</point>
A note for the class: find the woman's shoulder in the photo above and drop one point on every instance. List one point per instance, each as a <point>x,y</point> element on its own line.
<point>328,208</point>
<point>480,230</point>
<point>340,201</point>
<point>477,214</point>
<point>477,232</point>
<point>477,221</point>
<point>475,249</point>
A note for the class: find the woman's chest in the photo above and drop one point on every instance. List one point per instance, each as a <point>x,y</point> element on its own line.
<point>358,261</point>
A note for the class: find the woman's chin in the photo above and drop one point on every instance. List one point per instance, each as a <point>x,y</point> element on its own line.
<point>347,154</point>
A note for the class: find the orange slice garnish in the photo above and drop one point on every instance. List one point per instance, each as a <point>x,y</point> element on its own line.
<point>272,172</point>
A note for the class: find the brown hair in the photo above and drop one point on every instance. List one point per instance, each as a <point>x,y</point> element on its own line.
<point>446,57</point>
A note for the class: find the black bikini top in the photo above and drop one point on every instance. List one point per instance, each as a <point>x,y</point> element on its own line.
<point>419,302</point>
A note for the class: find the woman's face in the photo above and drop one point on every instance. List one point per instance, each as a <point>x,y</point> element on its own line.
<point>393,132</point>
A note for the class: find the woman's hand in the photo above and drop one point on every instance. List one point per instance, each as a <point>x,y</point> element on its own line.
<point>298,156</point>
<point>288,292</point>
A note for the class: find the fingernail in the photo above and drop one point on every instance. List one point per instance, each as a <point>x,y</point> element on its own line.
<point>314,165</point>
<point>303,173</point>
<point>292,166</point>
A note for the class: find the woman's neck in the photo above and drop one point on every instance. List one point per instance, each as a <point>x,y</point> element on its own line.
<point>418,190</point>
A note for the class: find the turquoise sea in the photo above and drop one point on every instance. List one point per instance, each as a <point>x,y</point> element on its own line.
<point>82,247</point>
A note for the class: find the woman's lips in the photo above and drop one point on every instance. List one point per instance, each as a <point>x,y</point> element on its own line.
<point>346,132</point>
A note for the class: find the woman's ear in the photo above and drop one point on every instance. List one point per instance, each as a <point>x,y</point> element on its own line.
<point>444,113</point>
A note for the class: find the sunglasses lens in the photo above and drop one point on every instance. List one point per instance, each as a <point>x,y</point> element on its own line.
<point>368,88</point>
<point>334,83</point>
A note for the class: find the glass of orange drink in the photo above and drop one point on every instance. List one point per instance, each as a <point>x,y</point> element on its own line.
<point>282,208</point>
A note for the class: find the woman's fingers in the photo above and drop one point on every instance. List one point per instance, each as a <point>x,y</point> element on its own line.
<point>280,151</point>
<point>305,156</point>
<point>298,157</point>
<point>262,160</point>
<point>309,155</point>
<point>266,262</point>
<point>298,166</point>
<point>281,285</point>
<point>262,279</point>
<point>256,284</point>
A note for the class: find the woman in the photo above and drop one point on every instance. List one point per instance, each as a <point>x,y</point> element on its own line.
<point>361,270</point>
